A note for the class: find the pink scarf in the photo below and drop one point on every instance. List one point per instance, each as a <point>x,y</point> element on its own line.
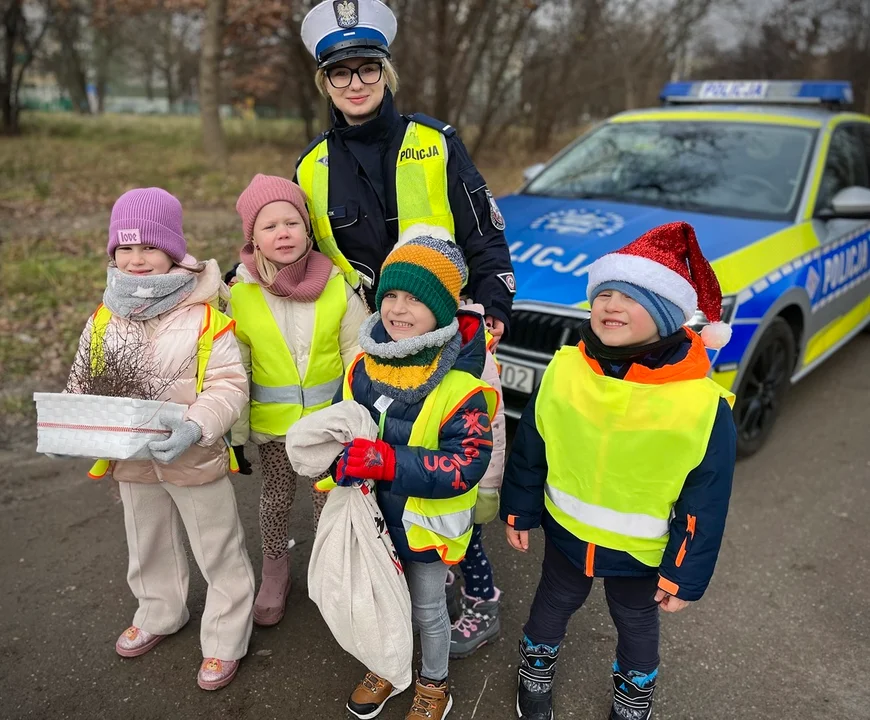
<point>302,281</point>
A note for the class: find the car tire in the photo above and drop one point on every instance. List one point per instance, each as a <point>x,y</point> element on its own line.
<point>763,387</point>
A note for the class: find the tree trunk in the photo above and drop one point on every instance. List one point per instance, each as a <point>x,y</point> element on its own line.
<point>441,108</point>
<point>104,47</point>
<point>213,138</point>
<point>68,62</point>
<point>11,26</point>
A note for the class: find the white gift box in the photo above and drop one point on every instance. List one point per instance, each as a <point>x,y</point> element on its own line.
<point>94,426</point>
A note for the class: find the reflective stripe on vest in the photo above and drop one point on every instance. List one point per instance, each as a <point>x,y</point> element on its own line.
<point>214,324</point>
<point>421,190</point>
<point>278,396</point>
<point>618,452</point>
<point>444,525</point>
<point>296,394</point>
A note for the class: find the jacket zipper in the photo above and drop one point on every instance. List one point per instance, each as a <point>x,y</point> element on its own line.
<point>690,533</point>
<point>590,560</point>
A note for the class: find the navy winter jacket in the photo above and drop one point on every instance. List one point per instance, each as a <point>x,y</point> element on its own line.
<point>364,213</point>
<point>704,497</point>
<point>470,420</point>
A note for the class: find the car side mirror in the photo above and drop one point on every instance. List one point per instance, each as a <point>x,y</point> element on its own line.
<point>850,203</point>
<point>531,172</point>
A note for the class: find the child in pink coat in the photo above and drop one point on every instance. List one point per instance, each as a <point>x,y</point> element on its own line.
<point>160,298</point>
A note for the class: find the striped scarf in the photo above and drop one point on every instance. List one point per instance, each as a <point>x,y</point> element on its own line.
<point>409,369</point>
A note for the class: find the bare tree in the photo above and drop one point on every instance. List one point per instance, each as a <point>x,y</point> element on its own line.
<point>213,138</point>
<point>22,38</point>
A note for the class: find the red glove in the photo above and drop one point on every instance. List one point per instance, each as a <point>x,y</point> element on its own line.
<point>369,460</point>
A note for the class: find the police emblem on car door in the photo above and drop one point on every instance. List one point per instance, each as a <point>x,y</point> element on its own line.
<point>346,13</point>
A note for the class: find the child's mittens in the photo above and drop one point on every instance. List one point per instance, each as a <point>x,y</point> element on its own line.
<point>184,434</point>
<point>370,460</point>
<point>486,508</point>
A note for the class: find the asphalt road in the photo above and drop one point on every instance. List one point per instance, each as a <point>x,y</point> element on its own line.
<point>784,631</point>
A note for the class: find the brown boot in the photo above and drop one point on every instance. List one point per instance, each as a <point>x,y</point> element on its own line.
<point>431,701</point>
<point>370,696</point>
<point>269,605</point>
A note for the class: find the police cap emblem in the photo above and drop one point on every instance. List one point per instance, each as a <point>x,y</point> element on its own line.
<point>346,13</point>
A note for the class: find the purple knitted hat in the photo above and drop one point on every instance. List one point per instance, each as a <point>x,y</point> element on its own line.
<point>149,216</point>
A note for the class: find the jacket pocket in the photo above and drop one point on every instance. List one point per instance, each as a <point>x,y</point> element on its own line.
<point>342,216</point>
<point>687,540</point>
<point>472,179</point>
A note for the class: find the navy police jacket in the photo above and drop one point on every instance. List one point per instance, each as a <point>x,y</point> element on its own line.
<point>412,478</point>
<point>705,496</point>
<point>364,214</point>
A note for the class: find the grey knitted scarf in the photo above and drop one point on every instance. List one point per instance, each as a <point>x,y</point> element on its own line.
<point>142,297</point>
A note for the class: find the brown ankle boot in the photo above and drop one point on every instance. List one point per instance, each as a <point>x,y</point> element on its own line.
<point>431,701</point>
<point>370,696</point>
<point>269,605</point>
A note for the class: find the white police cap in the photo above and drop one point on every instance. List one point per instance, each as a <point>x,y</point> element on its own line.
<point>339,29</point>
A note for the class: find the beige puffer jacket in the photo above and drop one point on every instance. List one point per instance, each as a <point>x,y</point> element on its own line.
<point>172,338</point>
<point>296,322</point>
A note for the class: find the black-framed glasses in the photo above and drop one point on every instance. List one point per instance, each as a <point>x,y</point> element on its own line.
<point>341,77</point>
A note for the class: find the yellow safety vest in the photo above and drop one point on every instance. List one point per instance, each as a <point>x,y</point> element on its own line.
<point>214,323</point>
<point>618,452</point>
<point>444,525</point>
<point>421,190</point>
<point>278,396</point>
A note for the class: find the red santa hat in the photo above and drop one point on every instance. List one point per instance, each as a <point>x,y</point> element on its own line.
<point>668,261</point>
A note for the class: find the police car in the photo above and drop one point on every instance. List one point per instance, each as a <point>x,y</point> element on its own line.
<point>775,178</point>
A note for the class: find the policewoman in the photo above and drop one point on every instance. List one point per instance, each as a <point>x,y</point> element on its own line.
<point>375,172</point>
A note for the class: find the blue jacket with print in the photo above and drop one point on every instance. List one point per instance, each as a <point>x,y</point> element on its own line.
<point>413,478</point>
<point>698,521</point>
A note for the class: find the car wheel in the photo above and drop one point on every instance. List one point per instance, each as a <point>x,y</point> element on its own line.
<point>763,387</point>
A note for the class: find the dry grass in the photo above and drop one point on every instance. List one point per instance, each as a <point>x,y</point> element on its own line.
<point>58,182</point>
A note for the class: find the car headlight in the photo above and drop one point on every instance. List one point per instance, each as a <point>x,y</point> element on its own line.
<point>699,319</point>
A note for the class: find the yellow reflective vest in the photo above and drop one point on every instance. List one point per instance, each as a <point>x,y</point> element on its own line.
<point>421,190</point>
<point>279,397</point>
<point>214,323</point>
<point>618,451</point>
<point>444,525</point>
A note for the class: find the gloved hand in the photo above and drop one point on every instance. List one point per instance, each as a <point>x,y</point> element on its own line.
<point>244,464</point>
<point>342,479</point>
<point>184,434</point>
<point>486,508</point>
<point>370,460</point>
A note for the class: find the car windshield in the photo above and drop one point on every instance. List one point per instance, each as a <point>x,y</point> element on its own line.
<point>745,169</point>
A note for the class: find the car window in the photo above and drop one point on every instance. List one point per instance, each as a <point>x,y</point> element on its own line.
<point>745,169</point>
<point>863,131</point>
<point>847,164</point>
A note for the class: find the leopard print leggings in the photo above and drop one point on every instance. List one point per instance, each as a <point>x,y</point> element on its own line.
<point>276,498</point>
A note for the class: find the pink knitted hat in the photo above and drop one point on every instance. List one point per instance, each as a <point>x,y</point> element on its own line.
<point>149,216</point>
<point>265,189</point>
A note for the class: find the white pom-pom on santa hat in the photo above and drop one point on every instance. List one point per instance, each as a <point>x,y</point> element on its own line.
<point>716,335</point>
<point>668,261</point>
<point>424,230</point>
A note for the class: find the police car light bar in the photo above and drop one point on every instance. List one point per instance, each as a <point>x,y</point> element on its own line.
<point>773,92</point>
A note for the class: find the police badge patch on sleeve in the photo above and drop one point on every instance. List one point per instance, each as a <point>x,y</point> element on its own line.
<point>509,280</point>
<point>494,213</point>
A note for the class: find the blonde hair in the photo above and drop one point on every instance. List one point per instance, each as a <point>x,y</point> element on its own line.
<point>267,270</point>
<point>390,77</point>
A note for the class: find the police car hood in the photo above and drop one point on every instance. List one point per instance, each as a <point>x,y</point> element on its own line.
<point>553,240</point>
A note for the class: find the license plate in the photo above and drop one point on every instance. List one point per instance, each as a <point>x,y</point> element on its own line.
<point>517,377</point>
